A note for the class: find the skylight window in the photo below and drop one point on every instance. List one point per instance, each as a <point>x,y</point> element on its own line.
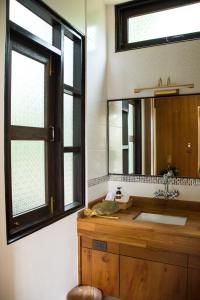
<point>171,22</point>
<point>149,23</point>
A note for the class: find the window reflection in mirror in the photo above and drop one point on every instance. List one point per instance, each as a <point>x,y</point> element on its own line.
<point>153,135</point>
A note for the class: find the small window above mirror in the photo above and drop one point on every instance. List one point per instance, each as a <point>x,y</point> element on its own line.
<point>147,23</point>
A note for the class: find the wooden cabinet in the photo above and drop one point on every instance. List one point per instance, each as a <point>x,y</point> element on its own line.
<point>105,272</point>
<point>193,284</point>
<point>142,279</point>
<point>135,273</point>
<point>194,278</point>
<point>101,269</point>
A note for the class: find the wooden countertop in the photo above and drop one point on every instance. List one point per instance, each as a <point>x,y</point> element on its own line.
<point>126,230</point>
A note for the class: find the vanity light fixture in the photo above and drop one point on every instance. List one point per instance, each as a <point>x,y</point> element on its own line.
<point>170,92</point>
<point>165,89</point>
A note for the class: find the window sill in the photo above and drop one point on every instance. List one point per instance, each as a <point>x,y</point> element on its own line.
<point>21,233</point>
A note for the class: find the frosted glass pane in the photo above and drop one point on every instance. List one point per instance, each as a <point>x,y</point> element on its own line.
<point>176,21</point>
<point>29,21</point>
<point>68,61</point>
<point>68,120</point>
<point>27,91</point>
<point>28,175</point>
<point>68,178</point>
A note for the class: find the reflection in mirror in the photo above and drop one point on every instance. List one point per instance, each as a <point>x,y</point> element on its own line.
<point>154,135</point>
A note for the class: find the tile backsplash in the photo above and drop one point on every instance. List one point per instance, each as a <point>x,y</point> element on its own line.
<point>144,179</point>
<point>142,186</point>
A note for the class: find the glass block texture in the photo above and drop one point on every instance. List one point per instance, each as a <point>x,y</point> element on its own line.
<point>171,22</point>
<point>68,178</point>
<point>68,61</point>
<point>28,175</point>
<point>30,21</point>
<point>68,120</point>
<point>27,91</point>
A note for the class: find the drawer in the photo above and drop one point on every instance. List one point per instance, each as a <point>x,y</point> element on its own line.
<point>154,255</point>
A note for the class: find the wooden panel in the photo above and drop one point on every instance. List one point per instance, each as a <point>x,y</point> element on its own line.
<point>146,202</point>
<point>145,280</point>
<point>86,263</point>
<point>79,260</point>
<point>86,242</point>
<point>177,126</point>
<point>105,272</point>
<point>194,261</point>
<point>154,255</point>
<point>193,284</point>
<point>113,248</point>
<point>147,136</point>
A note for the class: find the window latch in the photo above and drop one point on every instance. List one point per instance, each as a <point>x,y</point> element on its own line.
<point>52,133</point>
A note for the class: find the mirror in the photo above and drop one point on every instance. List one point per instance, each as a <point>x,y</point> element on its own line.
<point>151,136</point>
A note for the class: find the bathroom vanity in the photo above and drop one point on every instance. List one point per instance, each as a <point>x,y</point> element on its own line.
<point>136,259</point>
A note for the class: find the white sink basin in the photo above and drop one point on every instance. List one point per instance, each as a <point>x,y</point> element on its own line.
<point>164,219</point>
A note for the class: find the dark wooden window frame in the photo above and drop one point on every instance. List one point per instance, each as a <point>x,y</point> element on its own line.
<point>141,7</point>
<point>52,56</point>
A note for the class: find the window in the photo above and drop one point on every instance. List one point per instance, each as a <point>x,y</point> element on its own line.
<point>148,23</point>
<point>44,118</point>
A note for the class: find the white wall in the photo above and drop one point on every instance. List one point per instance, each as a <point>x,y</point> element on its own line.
<point>44,264</point>
<point>71,10</point>
<point>96,95</point>
<point>143,67</point>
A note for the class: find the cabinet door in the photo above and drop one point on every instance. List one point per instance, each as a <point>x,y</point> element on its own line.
<point>143,280</point>
<point>86,265</point>
<point>105,272</point>
<point>193,284</point>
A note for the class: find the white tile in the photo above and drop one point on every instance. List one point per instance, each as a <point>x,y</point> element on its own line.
<point>96,110</point>
<point>96,137</point>
<point>115,138</point>
<point>97,191</point>
<point>97,163</point>
<point>115,113</point>
<point>115,162</point>
<point>188,193</point>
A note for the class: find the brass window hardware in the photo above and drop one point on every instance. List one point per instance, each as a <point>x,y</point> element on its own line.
<point>52,133</point>
<point>50,67</point>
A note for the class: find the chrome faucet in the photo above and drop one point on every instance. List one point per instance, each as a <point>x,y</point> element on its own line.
<point>166,194</point>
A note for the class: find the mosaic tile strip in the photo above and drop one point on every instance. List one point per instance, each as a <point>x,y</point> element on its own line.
<point>155,180</point>
<point>144,179</point>
<point>98,180</point>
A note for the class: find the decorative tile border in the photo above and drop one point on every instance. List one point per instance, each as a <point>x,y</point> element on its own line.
<point>98,180</point>
<point>155,180</point>
<point>143,179</point>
